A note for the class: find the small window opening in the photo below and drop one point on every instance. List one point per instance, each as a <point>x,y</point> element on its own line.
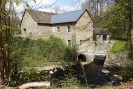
<point>81,42</point>
<point>69,42</point>
<point>68,28</point>
<point>24,30</point>
<point>58,29</point>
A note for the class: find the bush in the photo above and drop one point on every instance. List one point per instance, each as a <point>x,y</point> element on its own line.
<point>51,51</point>
<point>28,76</point>
<point>127,72</point>
<point>28,53</point>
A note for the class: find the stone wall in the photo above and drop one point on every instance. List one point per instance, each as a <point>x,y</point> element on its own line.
<point>63,32</point>
<point>44,31</point>
<point>33,29</point>
<point>29,25</point>
<point>84,28</point>
<point>80,31</point>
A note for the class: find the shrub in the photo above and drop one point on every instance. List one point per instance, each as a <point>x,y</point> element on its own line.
<point>28,76</point>
<point>51,51</point>
<point>127,72</point>
<point>28,53</point>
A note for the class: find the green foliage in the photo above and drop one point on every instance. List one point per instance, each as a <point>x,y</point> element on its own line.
<point>33,75</point>
<point>116,18</point>
<point>70,79</point>
<point>120,46</point>
<point>127,72</point>
<point>28,76</point>
<point>33,53</point>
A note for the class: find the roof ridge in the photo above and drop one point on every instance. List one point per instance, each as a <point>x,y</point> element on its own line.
<point>69,12</point>
<point>40,11</point>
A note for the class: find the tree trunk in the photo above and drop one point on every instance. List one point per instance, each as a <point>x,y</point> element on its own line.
<point>130,25</point>
<point>4,51</point>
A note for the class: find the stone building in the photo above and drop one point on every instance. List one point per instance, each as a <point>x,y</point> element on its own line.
<point>101,35</point>
<point>75,26</point>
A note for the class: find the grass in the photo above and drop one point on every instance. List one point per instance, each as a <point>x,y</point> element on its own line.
<point>120,46</point>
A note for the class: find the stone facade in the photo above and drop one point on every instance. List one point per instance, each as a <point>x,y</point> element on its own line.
<point>28,26</point>
<point>84,28</point>
<point>79,34</point>
<point>69,32</point>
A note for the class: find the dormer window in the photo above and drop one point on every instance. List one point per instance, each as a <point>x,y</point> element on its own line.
<point>68,28</point>
<point>58,29</point>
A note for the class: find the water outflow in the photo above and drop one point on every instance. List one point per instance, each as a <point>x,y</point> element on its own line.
<point>91,73</point>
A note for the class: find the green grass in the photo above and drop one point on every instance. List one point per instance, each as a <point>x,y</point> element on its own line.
<point>120,46</point>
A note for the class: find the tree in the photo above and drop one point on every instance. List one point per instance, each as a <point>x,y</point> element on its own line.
<point>7,26</point>
<point>119,19</point>
<point>5,38</point>
<point>4,52</point>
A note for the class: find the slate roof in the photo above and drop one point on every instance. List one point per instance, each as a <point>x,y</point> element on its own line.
<point>72,16</point>
<point>53,18</point>
<point>100,31</point>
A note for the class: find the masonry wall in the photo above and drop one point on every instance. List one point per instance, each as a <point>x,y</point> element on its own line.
<point>99,38</point>
<point>84,28</point>
<point>29,25</point>
<point>63,33</point>
<point>33,29</point>
<point>44,31</point>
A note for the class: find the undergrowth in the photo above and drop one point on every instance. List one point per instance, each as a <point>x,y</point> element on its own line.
<point>40,52</point>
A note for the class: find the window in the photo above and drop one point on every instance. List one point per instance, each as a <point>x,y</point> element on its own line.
<point>69,42</point>
<point>24,29</point>
<point>81,42</point>
<point>68,28</point>
<point>104,37</point>
<point>58,29</point>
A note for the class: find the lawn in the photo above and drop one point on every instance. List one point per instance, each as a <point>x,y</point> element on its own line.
<point>120,46</point>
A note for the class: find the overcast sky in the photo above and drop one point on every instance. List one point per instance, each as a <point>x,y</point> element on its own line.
<point>49,5</point>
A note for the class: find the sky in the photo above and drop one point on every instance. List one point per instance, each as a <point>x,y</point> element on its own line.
<point>48,5</point>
